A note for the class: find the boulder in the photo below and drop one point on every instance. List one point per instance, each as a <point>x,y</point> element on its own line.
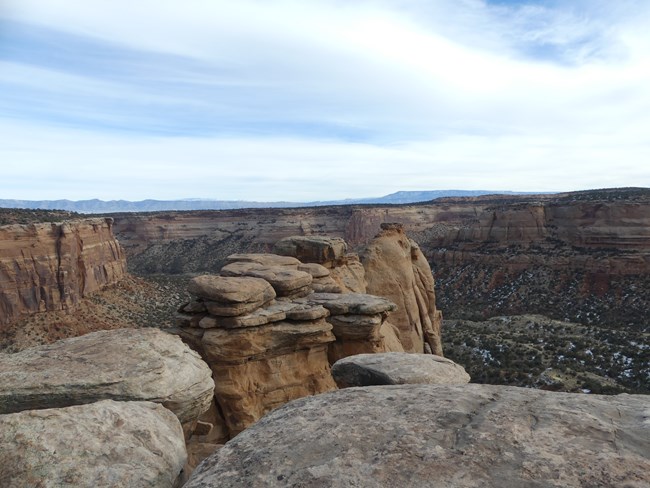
<point>233,290</point>
<point>285,281</point>
<point>121,364</point>
<point>440,436</point>
<point>397,368</point>
<point>312,249</point>
<point>108,443</point>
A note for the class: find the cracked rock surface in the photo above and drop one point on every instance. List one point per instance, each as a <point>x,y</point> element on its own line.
<point>440,436</point>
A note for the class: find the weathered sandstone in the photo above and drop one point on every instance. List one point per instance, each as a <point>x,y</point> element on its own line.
<point>262,358</point>
<point>442,436</point>
<point>231,290</point>
<point>397,368</point>
<point>285,281</point>
<point>122,364</point>
<point>46,267</point>
<point>395,268</point>
<point>323,250</point>
<point>108,443</point>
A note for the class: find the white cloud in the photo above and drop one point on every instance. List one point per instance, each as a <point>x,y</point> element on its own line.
<point>444,94</point>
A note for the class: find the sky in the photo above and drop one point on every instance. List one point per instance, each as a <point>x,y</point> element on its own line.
<point>303,100</point>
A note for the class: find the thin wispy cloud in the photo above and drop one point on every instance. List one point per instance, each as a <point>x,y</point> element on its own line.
<point>321,99</point>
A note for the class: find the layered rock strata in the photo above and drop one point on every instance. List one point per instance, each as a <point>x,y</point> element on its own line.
<point>108,443</point>
<point>261,356</point>
<point>436,435</point>
<point>395,368</point>
<point>357,320</point>
<point>46,267</point>
<point>122,364</point>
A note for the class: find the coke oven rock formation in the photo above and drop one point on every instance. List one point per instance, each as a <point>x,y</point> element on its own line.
<point>440,436</point>
<point>395,268</point>
<point>45,267</point>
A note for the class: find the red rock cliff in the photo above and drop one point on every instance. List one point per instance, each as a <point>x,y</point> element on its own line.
<point>45,267</point>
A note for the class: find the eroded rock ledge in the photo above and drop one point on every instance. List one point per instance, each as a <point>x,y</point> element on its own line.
<point>440,436</point>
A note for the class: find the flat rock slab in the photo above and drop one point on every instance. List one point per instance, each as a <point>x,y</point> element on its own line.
<point>265,259</point>
<point>284,280</point>
<point>231,289</point>
<point>440,436</point>
<point>314,269</point>
<point>108,443</point>
<point>121,364</point>
<point>397,368</point>
<point>312,249</point>
<point>276,312</point>
<point>350,303</point>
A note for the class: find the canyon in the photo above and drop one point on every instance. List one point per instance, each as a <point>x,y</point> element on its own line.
<point>582,256</point>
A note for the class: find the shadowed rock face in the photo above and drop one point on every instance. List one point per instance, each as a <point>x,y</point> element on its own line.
<point>440,436</point>
<point>108,443</point>
<point>46,267</point>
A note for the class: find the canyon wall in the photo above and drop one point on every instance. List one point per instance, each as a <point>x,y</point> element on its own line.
<point>51,266</point>
<point>583,256</point>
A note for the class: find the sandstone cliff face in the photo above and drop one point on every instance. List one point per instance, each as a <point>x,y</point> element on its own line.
<point>46,267</point>
<point>561,255</point>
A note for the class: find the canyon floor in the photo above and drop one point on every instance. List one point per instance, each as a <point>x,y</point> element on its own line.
<point>526,350</point>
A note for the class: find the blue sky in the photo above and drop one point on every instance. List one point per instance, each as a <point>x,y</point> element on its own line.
<point>320,99</point>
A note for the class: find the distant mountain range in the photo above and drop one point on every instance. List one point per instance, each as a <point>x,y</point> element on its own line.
<point>101,206</point>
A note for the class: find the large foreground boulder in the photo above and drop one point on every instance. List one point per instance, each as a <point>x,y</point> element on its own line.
<point>122,364</point>
<point>397,368</point>
<point>440,436</point>
<point>116,444</point>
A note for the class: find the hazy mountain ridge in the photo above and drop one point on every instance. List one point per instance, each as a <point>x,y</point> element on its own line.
<point>102,206</point>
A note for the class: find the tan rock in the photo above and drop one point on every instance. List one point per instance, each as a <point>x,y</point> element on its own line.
<point>314,269</point>
<point>265,259</point>
<point>350,303</point>
<point>397,368</point>
<point>262,316</point>
<point>234,309</point>
<point>121,364</point>
<point>312,249</point>
<point>440,435</point>
<point>396,269</point>
<point>227,290</point>
<point>356,327</point>
<point>252,343</point>
<point>349,274</point>
<point>285,281</point>
<point>326,285</point>
<point>108,443</point>
<point>248,390</point>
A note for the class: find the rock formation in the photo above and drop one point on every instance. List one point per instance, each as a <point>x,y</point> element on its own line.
<point>45,267</point>
<point>262,354</point>
<point>108,443</point>
<point>395,368</point>
<point>435,435</point>
<point>123,364</point>
<point>358,323</point>
<point>395,268</point>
